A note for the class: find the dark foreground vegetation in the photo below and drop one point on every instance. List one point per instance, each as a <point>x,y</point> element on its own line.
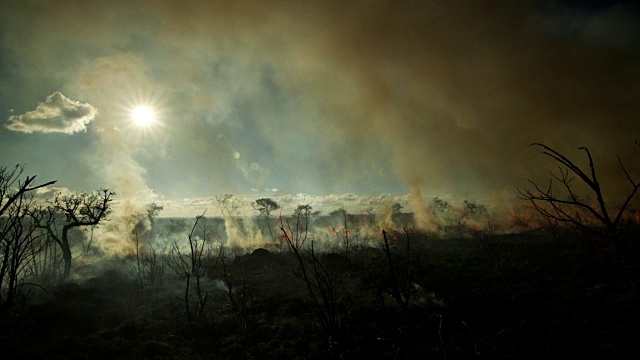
<point>341,286</point>
<point>536,294</point>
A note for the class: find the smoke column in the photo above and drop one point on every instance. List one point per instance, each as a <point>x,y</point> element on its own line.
<point>110,83</point>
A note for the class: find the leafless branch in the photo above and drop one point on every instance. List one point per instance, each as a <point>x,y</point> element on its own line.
<point>570,208</point>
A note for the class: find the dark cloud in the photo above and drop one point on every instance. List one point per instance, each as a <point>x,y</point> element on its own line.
<point>57,114</point>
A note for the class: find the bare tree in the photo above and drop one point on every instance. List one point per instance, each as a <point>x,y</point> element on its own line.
<point>470,211</point>
<point>234,227</point>
<point>342,214</point>
<point>19,243</point>
<point>12,189</point>
<point>569,206</point>
<point>399,283</point>
<point>371,215</point>
<point>153,210</point>
<point>19,240</point>
<point>442,212</point>
<point>439,205</point>
<point>150,265</point>
<point>322,286</point>
<point>265,206</point>
<point>73,211</point>
<point>191,264</point>
<point>228,205</point>
<point>299,233</point>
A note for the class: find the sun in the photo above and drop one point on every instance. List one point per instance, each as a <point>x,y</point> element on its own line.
<point>143,116</point>
<point>143,112</point>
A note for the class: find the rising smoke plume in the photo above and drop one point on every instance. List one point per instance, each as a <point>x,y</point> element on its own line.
<point>111,82</point>
<point>339,97</point>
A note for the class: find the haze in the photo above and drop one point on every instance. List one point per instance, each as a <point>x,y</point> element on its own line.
<point>327,102</point>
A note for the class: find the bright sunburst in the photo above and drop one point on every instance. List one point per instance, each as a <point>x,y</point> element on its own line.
<point>143,116</point>
<point>143,112</point>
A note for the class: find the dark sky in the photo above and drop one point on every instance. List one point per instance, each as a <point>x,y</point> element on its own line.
<point>324,98</point>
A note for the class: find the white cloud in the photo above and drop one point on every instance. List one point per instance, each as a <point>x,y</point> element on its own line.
<point>50,192</point>
<point>57,114</point>
<point>353,203</point>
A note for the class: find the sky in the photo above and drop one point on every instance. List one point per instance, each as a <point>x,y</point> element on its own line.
<point>332,103</point>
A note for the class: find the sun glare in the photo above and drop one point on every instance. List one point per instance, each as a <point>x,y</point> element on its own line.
<point>142,116</point>
<point>143,112</point>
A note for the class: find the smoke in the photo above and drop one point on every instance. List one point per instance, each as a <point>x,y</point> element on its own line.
<point>242,233</point>
<point>423,217</point>
<point>334,97</point>
<point>459,92</point>
<point>111,83</point>
<point>454,91</point>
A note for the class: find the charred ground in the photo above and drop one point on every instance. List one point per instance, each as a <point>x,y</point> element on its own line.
<point>533,294</point>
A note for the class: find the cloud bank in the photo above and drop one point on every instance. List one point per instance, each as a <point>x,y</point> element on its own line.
<point>354,204</point>
<point>57,114</point>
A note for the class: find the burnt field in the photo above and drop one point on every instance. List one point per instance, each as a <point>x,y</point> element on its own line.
<point>533,294</point>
